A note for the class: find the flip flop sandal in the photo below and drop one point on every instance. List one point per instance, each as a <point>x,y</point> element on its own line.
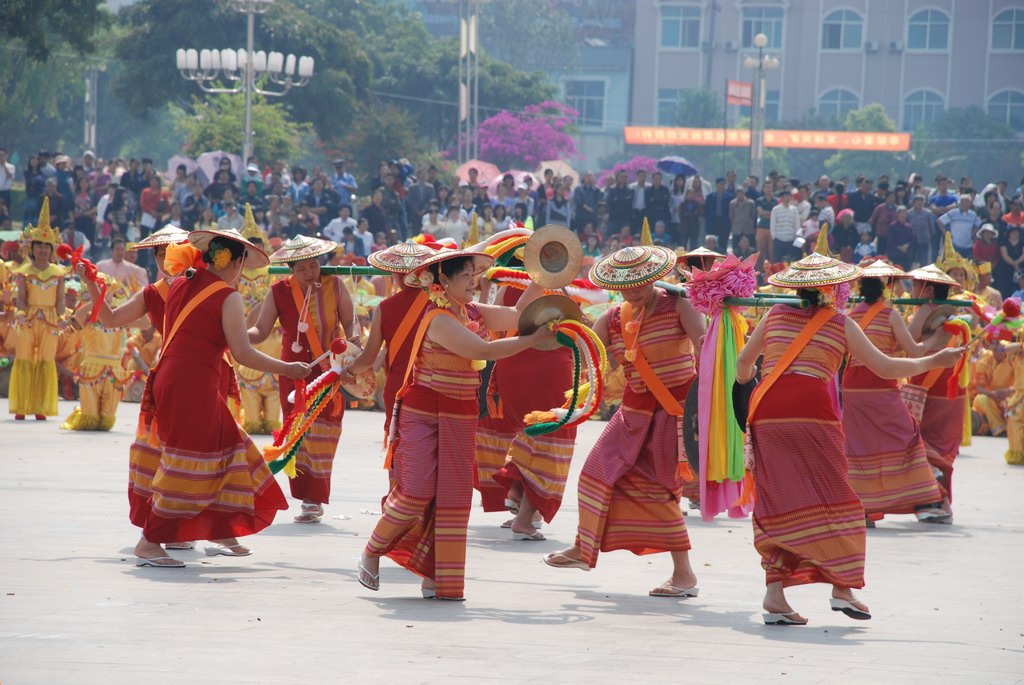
<point>668,590</point>
<point>551,560</point>
<point>535,535</point>
<point>180,545</point>
<point>790,619</point>
<point>536,524</point>
<point>512,506</point>
<point>374,577</point>
<point>227,551</point>
<point>154,562</point>
<point>849,609</point>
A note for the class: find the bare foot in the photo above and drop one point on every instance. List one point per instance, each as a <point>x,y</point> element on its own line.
<point>151,550</point>
<point>233,545</point>
<point>847,595</point>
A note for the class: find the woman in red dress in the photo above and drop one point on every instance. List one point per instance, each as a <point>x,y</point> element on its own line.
<point>212,483</point>
<point>313,310</point>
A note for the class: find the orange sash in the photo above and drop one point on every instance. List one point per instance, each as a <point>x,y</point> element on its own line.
<point>870,314</point>
<point>412,317</point>
<point>661,393</point>
<point>162,288</point>
<point>416,344</point>
<point>809,329</point>
<point>188,309</point>
<point>665,398</point>
<point>312,334</point>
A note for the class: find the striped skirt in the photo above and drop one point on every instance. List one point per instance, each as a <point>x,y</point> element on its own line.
<point>808,522</point>
<point>942,428</point>
<point>211,495</point>
<point>425,519</point>
<point>888,468</point>
<point>315,460</point>
<point>629,489</point>
<point>532,380</point>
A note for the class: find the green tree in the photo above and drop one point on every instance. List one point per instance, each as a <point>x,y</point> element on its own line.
<point>218,122</point>
<point>531,35</point>
<point>381,131</point>
<point>700,108</point>
<point>967,142</point>
<point>854,163</point>
<point>41,26</point>
<point>155,29</point>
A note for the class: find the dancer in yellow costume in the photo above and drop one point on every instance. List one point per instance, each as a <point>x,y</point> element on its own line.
<point>101,376</point>
<point>261,401</point>
<point>994,375</point>
<point>39,318</point>
<point>1015,412</point>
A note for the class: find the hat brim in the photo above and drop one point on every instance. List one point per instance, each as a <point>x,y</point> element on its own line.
<point>286,255</point>
<point>481,261</point>
<point>386,260</point>
<point>165,236</point>
<point>647,278</point>
<point>254,258</point>
<point>930,277</point>
<point>814,271</point>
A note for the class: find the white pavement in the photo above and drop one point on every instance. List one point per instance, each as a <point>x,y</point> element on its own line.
<point>948,602</point>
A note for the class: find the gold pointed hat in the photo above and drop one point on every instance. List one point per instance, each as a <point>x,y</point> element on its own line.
<point>401,258</point>
<point>645,234</point>
<point>951,259</point>
<point>302,247</point>
<point>814,271</point>
<point>41,232</point>
<point>250,229</point>
<point>821,246</point>
<point>633,267</point>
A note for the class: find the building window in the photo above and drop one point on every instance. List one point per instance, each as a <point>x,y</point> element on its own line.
<point>1007,107</point>
<point>836,103</point>
<point>771,107</point>
<point>921,107</point>
<point>587,98</point>
<point>680,27</point>
<point>669,100</point>
<point>766,20</point>
<point>843,30</point>
<point>1008,30</point>
<point>928,30</point>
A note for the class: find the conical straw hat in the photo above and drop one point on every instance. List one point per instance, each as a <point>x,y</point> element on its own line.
<point>813,271</point>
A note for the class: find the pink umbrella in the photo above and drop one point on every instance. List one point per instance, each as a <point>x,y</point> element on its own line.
<point>487,172</point>
<point>518,176</point>
<point>173,162</point>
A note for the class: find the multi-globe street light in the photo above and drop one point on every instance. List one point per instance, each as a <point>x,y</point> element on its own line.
<point>759,64</point>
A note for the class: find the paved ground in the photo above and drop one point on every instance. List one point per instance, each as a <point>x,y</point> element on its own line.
<point>74,608</point>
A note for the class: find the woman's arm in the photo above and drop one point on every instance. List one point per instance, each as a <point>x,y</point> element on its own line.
<point>374,342</point>
<point>890,367</point>
<point>21,294</point>
<point>129,312</point>
<point>745,369</point>
<point>906,340</point>
<point>453,336</point>
<point>61,302</point>
<point>916,328</point>
<point>259,331</point>
<point>233,322</point>
<point>692,322</point>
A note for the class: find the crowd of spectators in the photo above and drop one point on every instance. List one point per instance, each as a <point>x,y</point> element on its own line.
<point>95,202</point>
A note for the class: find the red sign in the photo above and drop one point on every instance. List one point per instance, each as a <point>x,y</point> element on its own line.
<point>882,141</point>
<point>739,93</point>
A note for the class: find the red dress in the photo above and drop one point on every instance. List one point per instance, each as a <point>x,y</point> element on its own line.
<point>314,462</point>
<point>212,482</point>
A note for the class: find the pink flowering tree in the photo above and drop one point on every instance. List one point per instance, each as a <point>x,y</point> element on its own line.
<point>630,166</point>
<point>523,140</point>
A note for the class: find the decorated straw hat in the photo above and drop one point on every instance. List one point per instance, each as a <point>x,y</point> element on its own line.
<point>633,267</point>
<point>302,247</point>
<point>815,271</point>
<point>932,274</point>
<point>422,278</point>
<point>503,245</point>
<point>880,268</point>
<point>165,236</point>
<point>42,232</point>
<point>699,252</point>
<point>401,258</point>
<point>254,256</point>
<point>250,229</point>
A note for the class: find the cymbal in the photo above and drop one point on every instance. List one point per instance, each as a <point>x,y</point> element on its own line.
<point>543,311</point>
<point>552,256</point>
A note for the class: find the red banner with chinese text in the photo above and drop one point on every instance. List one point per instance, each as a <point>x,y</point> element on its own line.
<point>879,141</point>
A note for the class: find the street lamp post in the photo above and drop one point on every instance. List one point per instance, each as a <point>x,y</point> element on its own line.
<point>757,113</point>
<point>241,66</point>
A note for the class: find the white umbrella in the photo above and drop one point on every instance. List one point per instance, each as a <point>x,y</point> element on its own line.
<point>561,170</point>
<point>209,162</point>
<point>176,160</point>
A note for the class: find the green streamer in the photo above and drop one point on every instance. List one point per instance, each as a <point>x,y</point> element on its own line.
<point>278,464</point>
<point>552,426</point>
